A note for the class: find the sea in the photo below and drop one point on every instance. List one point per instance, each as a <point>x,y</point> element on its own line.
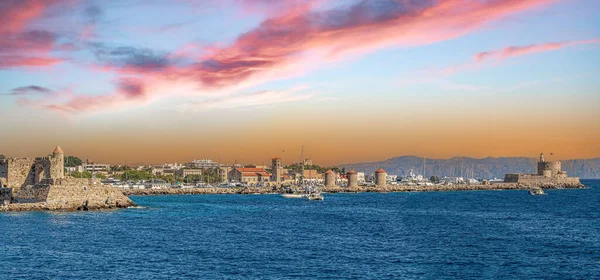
<point>419,235</point>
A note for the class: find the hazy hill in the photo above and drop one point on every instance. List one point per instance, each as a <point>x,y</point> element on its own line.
<point>481,168</point>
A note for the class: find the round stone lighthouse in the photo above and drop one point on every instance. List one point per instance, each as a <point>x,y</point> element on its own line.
<point>380,177</point>
<point>352,176</point>
<point>330,178</point>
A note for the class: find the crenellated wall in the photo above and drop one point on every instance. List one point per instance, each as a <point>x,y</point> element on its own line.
<point>20,172</point>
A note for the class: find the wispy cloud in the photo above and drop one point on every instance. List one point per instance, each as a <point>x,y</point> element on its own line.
<point>487,59</point>
<point>255,99</point>
<point>21,46</point>
<point>514,51</point>
<point>293,40</point>
<point>30,90</point>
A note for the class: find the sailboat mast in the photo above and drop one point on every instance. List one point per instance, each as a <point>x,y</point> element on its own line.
<point>302,161</point>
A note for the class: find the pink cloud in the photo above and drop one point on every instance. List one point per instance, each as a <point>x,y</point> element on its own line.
<point>514,51</point>
<point>129,91</point>
<point>9,61</point>
<point>301,38</point>
<point>481,59</point>
<point>23,47</point>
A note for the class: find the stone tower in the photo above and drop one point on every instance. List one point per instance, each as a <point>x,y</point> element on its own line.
<point>57,164</point>
<point>276,170</point>
<point>330,178</point>
<point>380,177</point>
<point>352,179</point>
<point>548,169</point>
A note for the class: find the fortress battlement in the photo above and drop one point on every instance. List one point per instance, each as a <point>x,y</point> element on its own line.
<point>16,173</point>
<point>548,172</point>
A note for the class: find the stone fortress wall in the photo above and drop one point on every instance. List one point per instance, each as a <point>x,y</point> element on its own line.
<point>20,172</point>
<point>548,172</point>
<point>40,184</point>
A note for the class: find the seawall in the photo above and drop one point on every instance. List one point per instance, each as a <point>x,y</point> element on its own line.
<point>69,197</point>
<point>338,189</point>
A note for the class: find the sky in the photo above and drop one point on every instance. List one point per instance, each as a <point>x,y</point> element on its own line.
<point>155,81</point>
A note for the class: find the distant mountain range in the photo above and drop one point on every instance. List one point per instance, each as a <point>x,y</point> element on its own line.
<point>479,168</point>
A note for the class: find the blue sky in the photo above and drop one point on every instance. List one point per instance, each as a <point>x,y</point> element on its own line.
<point>119,66</point>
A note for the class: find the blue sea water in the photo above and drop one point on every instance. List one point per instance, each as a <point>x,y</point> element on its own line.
<point>436,235</point>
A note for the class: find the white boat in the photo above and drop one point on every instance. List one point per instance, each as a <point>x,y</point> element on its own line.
<point>292,195</point>
<point>536,191</point>
<point>314,196</point>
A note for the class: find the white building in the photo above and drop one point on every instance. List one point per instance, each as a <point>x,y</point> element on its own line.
<point>95,167</point>
<point>74,169</point>
<point>361,177</point>
<point>391,178</point>
<point>202,163</point>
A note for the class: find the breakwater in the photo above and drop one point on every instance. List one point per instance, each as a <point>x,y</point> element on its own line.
<point>338,189</point>
<point>70,196</point>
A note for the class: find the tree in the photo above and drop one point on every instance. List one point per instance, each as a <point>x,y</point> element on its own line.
<point>168,178</point>
<point>434,179</point>
<point>84,174</point>
<point>135,175</point>
<point>192,179</point>
<point>71,161</point>
<point>2,156</point>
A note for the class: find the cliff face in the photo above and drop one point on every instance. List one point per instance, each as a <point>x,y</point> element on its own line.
<point>480,168</point>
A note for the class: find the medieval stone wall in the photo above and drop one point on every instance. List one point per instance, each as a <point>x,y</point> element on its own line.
<point>32,194</point>
<point>3,169</point>
<point>20,172</point>
<point>5,196</point>
<point>92,196</point>
<point>540,180</point>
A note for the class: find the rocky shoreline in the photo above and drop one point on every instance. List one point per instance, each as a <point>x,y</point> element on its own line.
<point>337,189</point>
<point>99,197</point>
<point>71,196</point>
<point>43,206</point>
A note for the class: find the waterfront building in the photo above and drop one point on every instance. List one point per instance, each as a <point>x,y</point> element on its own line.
<point>249,175</point>
<point>308,162</point>
<point>89,166</point>
<point>276,170</point>
<point>202,164</point>
<point>188,171</point>
<point>360,176</point>
<point>312,176</point>
<point>223,171</point>
<point>391,178</point>
<point>74,169</point>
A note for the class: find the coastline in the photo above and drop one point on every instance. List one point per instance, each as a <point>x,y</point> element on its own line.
<point>338,189</point>
<point>71,195</point>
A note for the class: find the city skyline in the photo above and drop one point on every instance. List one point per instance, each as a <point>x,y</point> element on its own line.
<point>352,81</point>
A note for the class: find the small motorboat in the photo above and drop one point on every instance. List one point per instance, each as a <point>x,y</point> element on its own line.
<point>536,191</point>
<point>292,195</point>
<point>314,196</point>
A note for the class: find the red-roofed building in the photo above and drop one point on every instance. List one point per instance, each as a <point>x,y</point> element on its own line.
<point>249,175</point>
